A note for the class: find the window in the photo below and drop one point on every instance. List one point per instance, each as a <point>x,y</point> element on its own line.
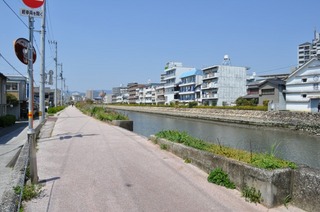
<point>12,86</point>
<point>304,95</point>
<point>267,91</point>
<point>304,79</point>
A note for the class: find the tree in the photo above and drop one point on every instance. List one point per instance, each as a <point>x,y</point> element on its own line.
<point>12,100</point>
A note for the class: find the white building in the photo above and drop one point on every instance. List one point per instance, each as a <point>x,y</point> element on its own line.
<point>223,84</point>
<point>302,87</point>
<point>307,50</point>
<point>187,87</point>
<point>172,72</point>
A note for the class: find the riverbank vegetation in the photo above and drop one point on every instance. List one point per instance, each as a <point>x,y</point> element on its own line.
<point>260,160</point>
<point>195,105</point>
<point>100,112</point>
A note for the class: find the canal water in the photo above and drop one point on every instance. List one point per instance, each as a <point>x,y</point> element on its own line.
<point>293,146</point>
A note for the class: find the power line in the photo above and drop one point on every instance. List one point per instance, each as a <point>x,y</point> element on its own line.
<point>15,13</point>
<point>11,65</point>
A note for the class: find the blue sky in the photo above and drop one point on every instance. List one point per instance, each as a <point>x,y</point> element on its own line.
<point>103,44</point>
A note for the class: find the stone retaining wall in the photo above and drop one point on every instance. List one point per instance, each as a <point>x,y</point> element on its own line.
<point>307,122</point>
<point>276,186</point>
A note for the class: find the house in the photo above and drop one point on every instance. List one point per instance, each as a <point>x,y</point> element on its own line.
<point>172,72</point>
<point>223,84</point>
<point>187,87</point>
<point>302,87</point>
<point>3,95</point>
<point>17,86</point>
<point>48,96</point>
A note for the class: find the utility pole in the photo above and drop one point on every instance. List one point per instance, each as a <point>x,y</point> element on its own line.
<point>42,72</point>
<point>31,131</point>
<point>56,74</point>
<point>61,92</point>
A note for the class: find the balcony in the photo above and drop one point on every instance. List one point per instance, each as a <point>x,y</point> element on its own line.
<point>167,85</point>
<point>210,76</point>
<point>209,86</point>
<point>210,96</point>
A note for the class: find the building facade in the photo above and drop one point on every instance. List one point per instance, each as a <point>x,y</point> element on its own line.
<point>302,87</point>
<point>17,86</point>
<point>308,50</point>
<point>172,72</point>
<point>188,84</point>
<point>223,84</point>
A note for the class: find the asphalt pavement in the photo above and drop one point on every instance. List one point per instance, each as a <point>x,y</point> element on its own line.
<point>88,165</point>
<point>11,141</point>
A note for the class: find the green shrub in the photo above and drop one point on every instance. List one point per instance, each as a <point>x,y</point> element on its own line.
<point>7,120</point>
<point>192,104</point>
<point>53,110</point>
<point>219,177</point>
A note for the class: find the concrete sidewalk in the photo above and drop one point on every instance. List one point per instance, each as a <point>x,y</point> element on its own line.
<point>88,165</point>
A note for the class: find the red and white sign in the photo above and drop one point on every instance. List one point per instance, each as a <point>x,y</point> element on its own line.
<point>33,3</point>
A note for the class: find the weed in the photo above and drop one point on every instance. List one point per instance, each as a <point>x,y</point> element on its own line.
<point>287,200</point>
<point>187,160</point>
<point>28,191</point>
<point>219,177</point>
<point>163,146</point>
<point>251,194</point>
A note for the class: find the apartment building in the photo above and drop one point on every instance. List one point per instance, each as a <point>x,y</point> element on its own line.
<point>223,84</point>
<point>172,72</point>
<point>120,95</point>
<point>308,50</point>
<point>302,87</point>
<point>188,84</point>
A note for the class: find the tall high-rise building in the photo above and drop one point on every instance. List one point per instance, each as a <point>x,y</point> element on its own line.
<point>308,50</point>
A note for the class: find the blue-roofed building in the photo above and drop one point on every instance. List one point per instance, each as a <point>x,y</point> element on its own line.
<point>190,80</point>
<point>173,70</point>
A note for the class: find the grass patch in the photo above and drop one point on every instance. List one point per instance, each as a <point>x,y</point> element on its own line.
<point>101,113</point>
<point>251,194</point>
<point>260,160</point>
<point>219,177</point>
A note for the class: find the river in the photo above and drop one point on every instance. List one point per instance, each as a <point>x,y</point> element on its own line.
<point>294,146</point>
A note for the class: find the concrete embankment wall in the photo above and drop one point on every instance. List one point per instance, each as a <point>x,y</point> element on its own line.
<point>276,186</point>
<point>306,122</point>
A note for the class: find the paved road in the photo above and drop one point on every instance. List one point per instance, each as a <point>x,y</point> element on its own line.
<point>11,140</point>
<point>88,165</point>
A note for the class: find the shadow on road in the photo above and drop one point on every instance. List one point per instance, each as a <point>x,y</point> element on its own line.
<point>7,133</point>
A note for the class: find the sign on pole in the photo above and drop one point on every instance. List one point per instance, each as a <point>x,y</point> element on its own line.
<point>33,3</point>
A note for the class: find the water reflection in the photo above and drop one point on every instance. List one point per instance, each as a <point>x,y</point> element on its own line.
<point>294,146</point>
